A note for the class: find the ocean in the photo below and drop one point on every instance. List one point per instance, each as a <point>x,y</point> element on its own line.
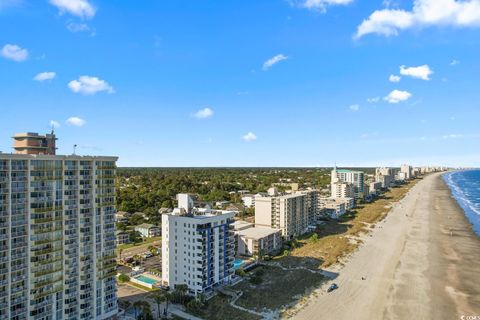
<point>465,186</point>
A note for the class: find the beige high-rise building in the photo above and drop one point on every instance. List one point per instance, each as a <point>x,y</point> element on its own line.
<point>289,213</point>
<point>33,143</point>
<point>57,237</point>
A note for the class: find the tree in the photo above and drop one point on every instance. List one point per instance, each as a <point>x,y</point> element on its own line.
<point>181,290</point>
<point>135,237</point>
<point>123,278</point>
<point>126,305</point>
<point>168,298</point>
<point>314,238</point>
<point>137,305</point>
<point>194,306</point>
<point>159,298</point>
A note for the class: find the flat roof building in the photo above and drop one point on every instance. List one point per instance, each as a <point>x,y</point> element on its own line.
<point>258,241</point>
<point>57,236</point>
<point>289,213</point>
<point>198,247</point>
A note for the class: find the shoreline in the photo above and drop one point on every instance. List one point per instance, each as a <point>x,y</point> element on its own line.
<point>421,262</point>
<point>464,204</point>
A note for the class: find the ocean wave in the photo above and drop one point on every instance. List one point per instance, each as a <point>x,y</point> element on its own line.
<point>464,186</point>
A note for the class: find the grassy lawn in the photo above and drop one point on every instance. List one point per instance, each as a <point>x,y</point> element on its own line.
<point>335,237</point>
<point>278,288</point>
<point>218,308</point>
<point>146,243</point>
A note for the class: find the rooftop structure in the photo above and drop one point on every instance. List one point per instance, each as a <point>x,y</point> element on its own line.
<point>33,143</point>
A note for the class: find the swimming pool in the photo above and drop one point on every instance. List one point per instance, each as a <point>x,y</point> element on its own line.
<point>238,263</point>
<point>146,279</point>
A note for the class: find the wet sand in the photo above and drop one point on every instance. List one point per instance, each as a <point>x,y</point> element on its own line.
<point>421,262</point>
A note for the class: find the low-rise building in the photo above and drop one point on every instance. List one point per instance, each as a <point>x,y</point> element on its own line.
<point>257,241</point>
<point>248,200</point>
<point>122,237</point>
<point>122,216</point>
<point>333,207</point>
<point>148,230</point>
<point>375,188</point>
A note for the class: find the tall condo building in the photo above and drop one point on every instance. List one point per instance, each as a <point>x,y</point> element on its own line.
<point>407,170</point>
<point>57,237</point>
<point>354,177</point>
<point>342,190</point>
<point>289,213</point>
<point>198,247</point>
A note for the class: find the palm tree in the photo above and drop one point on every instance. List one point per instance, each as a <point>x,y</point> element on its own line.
<point>168,298</point>
<point>126,305</point>
<point>159,298</point>
<point>182,290</point>
<point>137,305</point>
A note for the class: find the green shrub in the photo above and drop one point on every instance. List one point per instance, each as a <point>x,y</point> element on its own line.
<point>123,278</point>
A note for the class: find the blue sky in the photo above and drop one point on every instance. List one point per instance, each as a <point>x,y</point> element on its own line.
<point>245,83</point>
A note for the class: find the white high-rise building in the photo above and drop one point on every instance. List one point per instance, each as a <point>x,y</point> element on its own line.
<point>342,190</point>
<point>57,237</point>
<point>198,247</point>
<point>407,170</point>
<point>354,177</point>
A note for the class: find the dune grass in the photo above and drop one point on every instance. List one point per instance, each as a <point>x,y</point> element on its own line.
<point>337,239</point>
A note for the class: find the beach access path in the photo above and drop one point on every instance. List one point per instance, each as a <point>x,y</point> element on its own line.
<point>421,262</point>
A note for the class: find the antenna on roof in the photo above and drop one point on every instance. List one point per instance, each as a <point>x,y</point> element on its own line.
<point>74,148</point>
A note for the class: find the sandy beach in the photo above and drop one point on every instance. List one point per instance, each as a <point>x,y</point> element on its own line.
<point>421,262</point>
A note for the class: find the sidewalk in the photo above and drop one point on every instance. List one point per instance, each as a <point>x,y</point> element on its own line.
<point>174,310</point>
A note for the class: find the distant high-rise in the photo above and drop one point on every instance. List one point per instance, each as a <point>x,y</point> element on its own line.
<point>354,177</point>
<point>57,235</point>
<point>33,143</point>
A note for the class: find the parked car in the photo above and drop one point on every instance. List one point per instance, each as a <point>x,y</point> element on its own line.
<point>332,287</point>
<point>147,255</point>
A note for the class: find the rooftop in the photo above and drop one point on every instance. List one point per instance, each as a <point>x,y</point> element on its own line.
<point>146,226</point>
<point>257,232</point>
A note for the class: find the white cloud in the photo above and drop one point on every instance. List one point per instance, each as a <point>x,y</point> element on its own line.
<point>274,60</point>
<point>76,121</point>
<point>203,113</point>
<point>54,124</point>
<point>420,72</point>
<point>323,4</point>
<point>397,96</point>
<point>454,62</point>
<point>354,107</point>
<point>89,85</point>
<point>373,100</point>
<point>42,76</point>
<point>79,8</point>
<point>249,137</point>
<point>80,27</point>
<point>14,52</point>
<point>452,136</point>
<point>394,78</point>
<point>425,13</point>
